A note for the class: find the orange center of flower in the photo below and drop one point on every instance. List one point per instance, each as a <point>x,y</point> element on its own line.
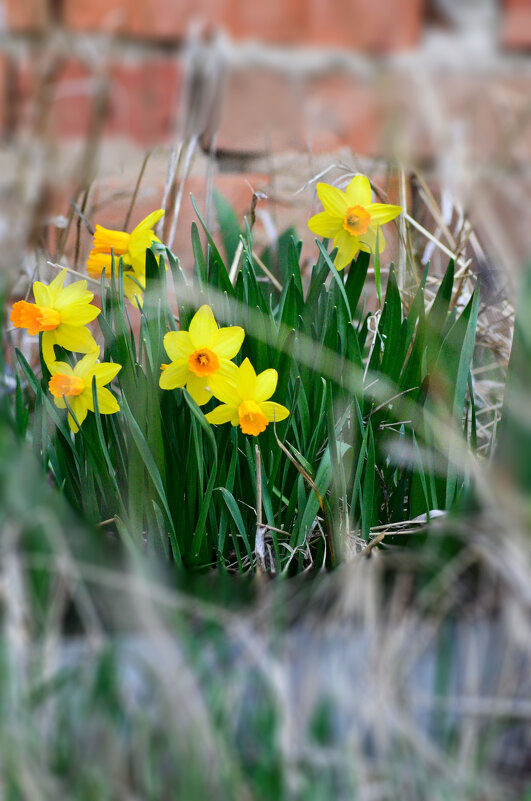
<point>203,362</point>
<point>34,318</point>
<point>356,220</point>
<point>67,385</point>
<point>252,419</point>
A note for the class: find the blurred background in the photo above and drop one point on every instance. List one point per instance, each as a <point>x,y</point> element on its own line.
<point>260,97</point>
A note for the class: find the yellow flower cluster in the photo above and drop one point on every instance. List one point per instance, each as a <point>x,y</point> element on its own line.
<point>201,362</point>
<point>61,314</point>
<point>200,358</point>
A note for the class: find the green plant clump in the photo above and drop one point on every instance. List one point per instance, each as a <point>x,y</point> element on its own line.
<point>377,405</point>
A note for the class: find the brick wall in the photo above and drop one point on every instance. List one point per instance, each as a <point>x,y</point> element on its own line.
<point>141,74</point>
<point>298,83</point>
<point>344,23</point>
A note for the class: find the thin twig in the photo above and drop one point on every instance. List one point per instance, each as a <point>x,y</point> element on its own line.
<point>81,218</point>
<point>135,191</point>
<point>436,241</point>
<point>268,272</point>
<point>64,235</point>
<point>188,159</point>
<point>71,271</point>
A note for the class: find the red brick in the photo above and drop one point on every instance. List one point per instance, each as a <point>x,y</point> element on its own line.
<point>364,24</point>
<point>167,19</point>
<point>72,104</point>
<point>160,19</point>
<point>143,99</point>
<point>58,104</point>
<point>23,16</point>
<point>260,112</point>
<point>281,21</point>
<point>22,88</point>
<point>516,24</point>
<point>112,16</point>
<point>360,24</point>
<point>342,110</point>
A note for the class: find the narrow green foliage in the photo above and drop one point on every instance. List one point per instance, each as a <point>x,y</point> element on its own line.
<point>357,450</point>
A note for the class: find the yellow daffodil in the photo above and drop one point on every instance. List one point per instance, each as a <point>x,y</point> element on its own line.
<point>200,353</point>
<point>351,219</point>
<point>61,314</point>
<point>245,401</point>
<point>75,384</point>
<point>131,248</point>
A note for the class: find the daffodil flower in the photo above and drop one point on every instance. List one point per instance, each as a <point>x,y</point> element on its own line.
<point>351,219</point>
<point>131,248</point>
<point>245,402</point>
<point>200,353</point>
<point>74,384</point>
<point>61,314</point>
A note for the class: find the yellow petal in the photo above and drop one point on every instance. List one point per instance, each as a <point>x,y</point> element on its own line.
<point>246,380</point>
<point>175,375</point>
<point>196,386</point>
<point>107,239</point>
<point>368,241</point>
<point>48,341</point>
<point>223,387</point>
<point>221,414</point>
<point>85,366</point>
<point>228,370</point>
<point>149,221</point>
<point>333,199</point>
<point>80,409</point>
<point>98,263</point>
<point>75,338</point>
<point>228,341</point>
<point>203,328</point>
<point>347,246</point>
<point>140,241</point>
<point>107,403</point>
<point>79,313</point>
<point>274,411</point>
<point>383,212</point>
<point>325,224</point>
<point>56,285</point>
<point>178,345</point>
<point>73,293</point>
<point>266,383</point>
<point>42,294</point>
<point>60,367</point>
<point>105,372</point>
<point>358,191</point>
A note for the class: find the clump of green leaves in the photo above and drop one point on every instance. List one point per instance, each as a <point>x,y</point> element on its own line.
<point>376,403</point>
